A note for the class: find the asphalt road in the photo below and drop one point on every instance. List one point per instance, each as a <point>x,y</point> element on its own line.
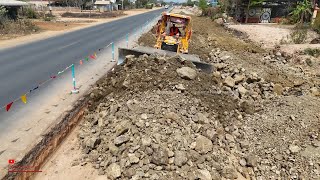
<point>22,68</point>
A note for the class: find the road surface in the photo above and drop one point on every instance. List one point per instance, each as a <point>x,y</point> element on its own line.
<point>22,68</point>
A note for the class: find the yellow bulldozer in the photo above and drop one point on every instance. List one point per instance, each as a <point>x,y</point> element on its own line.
<point>172,37</point>
<point>174,32</point>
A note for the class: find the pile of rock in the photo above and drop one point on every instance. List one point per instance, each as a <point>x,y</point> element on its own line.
<point>239,82</point>
<point>250,86</point>
<point>160,118</point>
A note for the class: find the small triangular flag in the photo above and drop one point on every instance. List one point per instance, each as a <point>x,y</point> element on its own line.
<point>9,106</point>
<point>92,57</point>
<point>81,62</point>
<point>24,99</point>
<point>87,59</point>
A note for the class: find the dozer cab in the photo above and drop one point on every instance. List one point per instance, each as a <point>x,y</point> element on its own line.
<point>173,35</point>
<point>174,32</point>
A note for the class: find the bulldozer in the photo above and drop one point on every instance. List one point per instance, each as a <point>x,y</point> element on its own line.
<point>174,32</point>
<point>172,37</point>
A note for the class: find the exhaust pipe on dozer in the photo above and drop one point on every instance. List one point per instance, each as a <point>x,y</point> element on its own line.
<point>123,52</point>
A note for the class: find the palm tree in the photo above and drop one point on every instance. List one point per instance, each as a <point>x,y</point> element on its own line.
<point>302,10</point>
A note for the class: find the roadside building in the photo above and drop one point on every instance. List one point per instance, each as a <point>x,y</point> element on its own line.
<point>105,5</point>
<point>12,7</point>
<point>39,3</point>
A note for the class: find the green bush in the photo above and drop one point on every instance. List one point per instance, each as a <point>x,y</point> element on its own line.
<point>299,35</point>
<point>312,52</point>
<point>48,17</point>
<point>20,26</point>
<point>149,6</point>
<point>316,24</point>
<point>213,12</point>
<point>203,4</point>
<point>3,15</point>
<point>30,13</point>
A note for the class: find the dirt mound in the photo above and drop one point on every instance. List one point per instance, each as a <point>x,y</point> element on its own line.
<point>148,39</point>
<point>161,118</point>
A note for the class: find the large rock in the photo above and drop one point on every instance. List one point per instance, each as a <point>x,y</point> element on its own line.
<point>121,139</point>
<point>146,141</point>
<point>278,89</point>
<point>229,81</point>
<point>220,66</point>
<point>187,73</point>
<point>294,149</point>
<point>173,116</point>
<point>229,173</point>
<point>203,145</point>
<point>202,118</point>
<point>160,157</point>
<point>252,160</point>
<point>133,158</point>
<point>92,142</point>
<point>314,91</point>
<point>242,90</point>
<point>239,78</point>
<point>180,158</point>
<point>114,171</point>
<point>203,174</point>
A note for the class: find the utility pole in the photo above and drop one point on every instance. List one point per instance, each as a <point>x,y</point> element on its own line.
<point>122,5</point>
<point>50,8</point>
<point>91,8</point>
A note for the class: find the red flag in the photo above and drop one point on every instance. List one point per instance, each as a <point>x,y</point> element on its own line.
<point>80,62</point>
<point>92,57</point>
<point>11,161</point>
<point>9,106</point>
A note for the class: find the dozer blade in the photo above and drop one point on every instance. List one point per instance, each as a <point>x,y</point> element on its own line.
<point>140,50</point>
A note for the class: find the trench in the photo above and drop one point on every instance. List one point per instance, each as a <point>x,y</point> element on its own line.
<point>50,142</point>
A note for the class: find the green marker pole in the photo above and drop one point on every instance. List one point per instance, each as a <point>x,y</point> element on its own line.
<point>74,90</point>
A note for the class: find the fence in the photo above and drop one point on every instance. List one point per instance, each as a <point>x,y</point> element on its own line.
<point>81,62</point>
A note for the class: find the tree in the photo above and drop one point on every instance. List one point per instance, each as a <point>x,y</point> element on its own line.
<point>302,10</point>
<point>190,3</point>
<point>225,5</point>
<point>3,14</point>
<point>250,4</point>
<point>127,4</point>
<point>203,4</point>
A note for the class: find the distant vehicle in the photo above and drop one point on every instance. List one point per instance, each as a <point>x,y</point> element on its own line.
<point>166,6</point>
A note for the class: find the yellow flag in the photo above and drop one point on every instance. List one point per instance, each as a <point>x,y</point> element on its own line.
<point>95,54</point>
<point>24,99</point>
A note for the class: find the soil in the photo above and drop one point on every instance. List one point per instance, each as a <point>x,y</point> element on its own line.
<point>205,38</point>
<point>291,117</point>
<point>56,26</point>
<point>270,35</point>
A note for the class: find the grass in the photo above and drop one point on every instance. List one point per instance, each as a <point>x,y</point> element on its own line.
<point>312,52</point>
<point>17,27</point>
